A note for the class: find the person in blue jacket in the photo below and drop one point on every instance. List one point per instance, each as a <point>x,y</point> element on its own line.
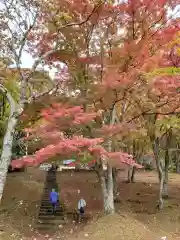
<point>54,199</point>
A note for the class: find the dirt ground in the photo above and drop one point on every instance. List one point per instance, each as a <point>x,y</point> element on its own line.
<point>136,218</point>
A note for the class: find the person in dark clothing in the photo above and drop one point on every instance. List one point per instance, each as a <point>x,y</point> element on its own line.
<point>54,199</point>
<point>53,168</point>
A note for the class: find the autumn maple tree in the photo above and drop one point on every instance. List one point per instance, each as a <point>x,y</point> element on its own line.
<point>108,51</point>
<point>61,132</point>
<point>18,21</point>
<point>107,60</point>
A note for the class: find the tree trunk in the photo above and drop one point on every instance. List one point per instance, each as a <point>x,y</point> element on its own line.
<point>109,196</point>
<point>109,206</point>
<point>7,152</point>
<point>131,174</point>
<point>107,190</point>
<point>8,137</point>
<point>107,182</point>
<point>161,182</point>
<point>98,170</point>
<point>178,167</point>
<point>135,150</point>
<point>165,181</point>
<point>177,156</point>
<point>160,172</point>
<point>115,185</point>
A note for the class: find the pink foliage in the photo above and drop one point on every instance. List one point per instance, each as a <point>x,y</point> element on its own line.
<point>123,158</point>
<point>97,151</point>
<point>62,114</point>
<point>63,147</point>
<point>51,133</point>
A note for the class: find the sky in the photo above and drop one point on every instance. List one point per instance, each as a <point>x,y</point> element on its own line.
<point>27,60</point>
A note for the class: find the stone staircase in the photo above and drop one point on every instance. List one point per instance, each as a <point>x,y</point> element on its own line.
<point>47,221</point>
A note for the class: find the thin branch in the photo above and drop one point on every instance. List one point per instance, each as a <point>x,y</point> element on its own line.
<point>96,7</point>
<point>25,38</point>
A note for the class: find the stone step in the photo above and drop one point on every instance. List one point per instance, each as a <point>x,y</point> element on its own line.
<point>47,210</point>
<point>46,199</point>
<point>58,210</point>
<point>48,190</point>
<point>50,210</point>
<point>46,193</point>
<point>50,217</point>
<point>48,185</point>
<point>50,221</point>
<point>48,225</point>
<point>50,177</point>
<point>49,205</point>
<point>51,183</point>
<point>50,214</point>
<point>46,202</point>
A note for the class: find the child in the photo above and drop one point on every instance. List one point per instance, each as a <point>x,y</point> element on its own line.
<point>81,207</point>
<point>53,200</point>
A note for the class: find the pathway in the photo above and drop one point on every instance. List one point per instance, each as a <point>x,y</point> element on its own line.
<point>46,220</point>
